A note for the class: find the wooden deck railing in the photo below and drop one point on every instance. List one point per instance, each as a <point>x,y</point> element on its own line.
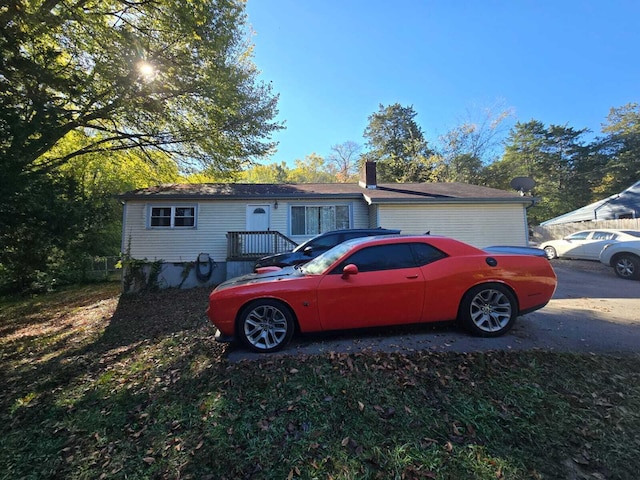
<point>253,245</point>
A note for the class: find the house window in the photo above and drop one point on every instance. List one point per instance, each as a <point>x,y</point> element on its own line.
<point>318,219</point>
<point>172,217</point>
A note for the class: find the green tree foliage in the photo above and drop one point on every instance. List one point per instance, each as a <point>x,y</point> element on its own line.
<point>156,75</point>
<point>397,144</point>
<point>619,151</point>
<point>168,79</point>
<point>549,155</point>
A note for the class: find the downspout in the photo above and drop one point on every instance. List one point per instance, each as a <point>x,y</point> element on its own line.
<point>122,241</point>
<point>124,223</point>
<point>526,223</point>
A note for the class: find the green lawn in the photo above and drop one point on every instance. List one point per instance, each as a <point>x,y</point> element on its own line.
<point>95,385</point>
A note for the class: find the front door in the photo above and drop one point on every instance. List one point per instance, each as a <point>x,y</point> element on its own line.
<point>258,220</point>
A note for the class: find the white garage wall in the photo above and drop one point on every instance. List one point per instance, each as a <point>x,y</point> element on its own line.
<point>480,225</point>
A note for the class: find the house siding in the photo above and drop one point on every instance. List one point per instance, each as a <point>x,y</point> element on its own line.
<point>214,220</point>
<point>480,225</point>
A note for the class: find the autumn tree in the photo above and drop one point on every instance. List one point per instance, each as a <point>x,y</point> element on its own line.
<point>270,173</point>
<point>345,158</point>
<point>396,142</point>
<point>475,143</point>
<point>312,169</point>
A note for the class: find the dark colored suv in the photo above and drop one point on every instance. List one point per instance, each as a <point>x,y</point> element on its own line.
<point>321,243</point>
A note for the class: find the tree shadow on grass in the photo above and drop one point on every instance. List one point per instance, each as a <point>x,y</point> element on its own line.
<point>66,347</point>
<point>151,315</point>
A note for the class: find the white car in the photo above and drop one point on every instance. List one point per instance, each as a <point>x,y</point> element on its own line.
<point>624,257</point>
<point>587,244</point>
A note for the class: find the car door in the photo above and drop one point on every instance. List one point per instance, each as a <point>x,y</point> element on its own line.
<point>388,289</point>
<point>596,242</point>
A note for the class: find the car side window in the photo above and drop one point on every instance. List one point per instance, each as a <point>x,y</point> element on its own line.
<point>425,254</point>
<point>325,243</point>
<point>579,236</point>
<point>380,257</point>
<point>603,236</point>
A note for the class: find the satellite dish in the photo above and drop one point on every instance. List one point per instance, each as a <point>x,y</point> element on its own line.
<point>523,184</point>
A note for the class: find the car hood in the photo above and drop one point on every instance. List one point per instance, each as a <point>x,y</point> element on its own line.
<point>254,278</point>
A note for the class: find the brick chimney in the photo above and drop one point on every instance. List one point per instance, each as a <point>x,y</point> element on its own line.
<point>368,175</point>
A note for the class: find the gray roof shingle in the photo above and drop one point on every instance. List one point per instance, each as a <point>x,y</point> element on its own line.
<point>384,193</point>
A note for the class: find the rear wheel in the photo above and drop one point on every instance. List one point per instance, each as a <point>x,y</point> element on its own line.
<point>551,252</point>
<point>488,310</point>
<point>266,325</point>
<point>627,266</point>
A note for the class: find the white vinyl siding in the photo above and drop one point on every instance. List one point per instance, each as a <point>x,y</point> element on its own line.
<point>480,225</point>
<point>214,220</point>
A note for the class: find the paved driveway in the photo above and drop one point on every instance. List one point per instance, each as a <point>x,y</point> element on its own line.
<point>591,311</point>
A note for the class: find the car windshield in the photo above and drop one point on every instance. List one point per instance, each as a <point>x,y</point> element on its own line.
<point>634,233</point>
<point>319,265</point>
<point>302,246</point>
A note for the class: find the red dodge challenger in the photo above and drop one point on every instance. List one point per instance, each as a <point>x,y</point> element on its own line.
<point>377,281</point>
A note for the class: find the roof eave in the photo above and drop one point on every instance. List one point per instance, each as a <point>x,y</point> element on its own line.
<point>199,196</point>
<point>388,201</point>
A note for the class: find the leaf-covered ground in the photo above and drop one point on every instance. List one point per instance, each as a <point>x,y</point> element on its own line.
<point>95,385</point>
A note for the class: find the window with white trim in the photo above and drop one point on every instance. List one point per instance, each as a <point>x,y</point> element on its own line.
<point>172,217</point>
<point>312,220</point>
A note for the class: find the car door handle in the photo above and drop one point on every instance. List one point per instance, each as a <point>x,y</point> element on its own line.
<point>412,276</point>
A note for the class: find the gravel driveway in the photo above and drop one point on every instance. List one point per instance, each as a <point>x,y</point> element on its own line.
<point>591,311</point>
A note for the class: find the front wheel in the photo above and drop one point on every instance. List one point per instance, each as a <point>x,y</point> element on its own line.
<point>627,266</point>
<point>551,252</point>
<point>488,310</point>
<point>266,325</point>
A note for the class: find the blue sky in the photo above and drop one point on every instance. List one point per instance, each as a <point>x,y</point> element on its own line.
<point>333,62</point>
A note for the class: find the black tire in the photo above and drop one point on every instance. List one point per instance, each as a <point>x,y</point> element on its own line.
<point>265,325</point>
<point>488,310</point>
<point>551,252</point>
<point>627,266</point>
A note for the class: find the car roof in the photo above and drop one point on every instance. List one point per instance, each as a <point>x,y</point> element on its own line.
<point>359,230</point>
<point>445,243</point>
<point>618,230</point>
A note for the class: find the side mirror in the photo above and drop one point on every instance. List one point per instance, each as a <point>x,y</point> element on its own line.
<point>308,251</point>
<point>348,270</point>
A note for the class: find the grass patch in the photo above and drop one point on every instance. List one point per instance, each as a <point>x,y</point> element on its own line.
<point>97,385</point>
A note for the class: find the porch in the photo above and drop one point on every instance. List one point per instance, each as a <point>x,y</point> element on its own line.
<point>244,248</point>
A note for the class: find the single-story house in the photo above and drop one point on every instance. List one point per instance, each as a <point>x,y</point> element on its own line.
<point>201,234</point>
<point>625,204</point>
